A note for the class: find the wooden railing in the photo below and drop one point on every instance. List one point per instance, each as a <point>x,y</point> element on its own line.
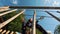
<point>34,17</point>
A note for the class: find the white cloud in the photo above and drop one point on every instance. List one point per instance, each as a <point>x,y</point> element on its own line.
<point>55,3</point>
<point>46,1</point>
<point>14,2</point>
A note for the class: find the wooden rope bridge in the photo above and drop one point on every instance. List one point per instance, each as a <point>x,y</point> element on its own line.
<point>26,7</point>
<point>8,21</point>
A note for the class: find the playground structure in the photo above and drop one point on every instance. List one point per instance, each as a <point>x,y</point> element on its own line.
<point>34,17</point>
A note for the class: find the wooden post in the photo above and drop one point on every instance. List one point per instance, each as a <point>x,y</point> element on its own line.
<point>34,22</point>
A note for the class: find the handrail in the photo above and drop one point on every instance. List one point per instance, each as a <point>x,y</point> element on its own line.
<point>9,20</point>
<point>7,12</point>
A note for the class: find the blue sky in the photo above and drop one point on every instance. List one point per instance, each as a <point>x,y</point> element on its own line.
<point>31,2</point>
<point>44,23</point>
<point>48,2</point>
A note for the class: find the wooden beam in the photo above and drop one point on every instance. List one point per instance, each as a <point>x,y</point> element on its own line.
<point>7,12</point>
<point>11,19</point>
<point>34,22</point>
<point>5,8</point>
<point>34,7</point>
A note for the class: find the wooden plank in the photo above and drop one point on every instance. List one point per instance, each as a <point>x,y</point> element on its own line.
<point>12,32</point>
<point>5,8</point>
<point>3,32</point>
<point>8,32</point>
<point>9,20</point>
<point>16,32</point>
<point>7,12</point>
